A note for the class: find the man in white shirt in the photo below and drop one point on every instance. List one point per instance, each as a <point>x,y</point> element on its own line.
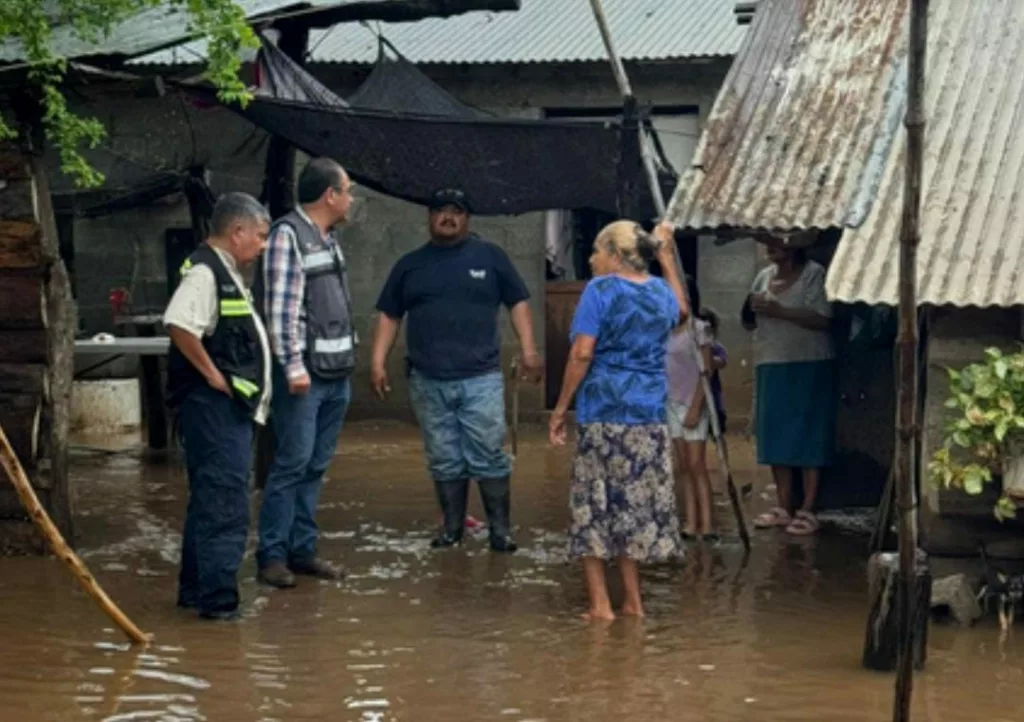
<point>219,384</point>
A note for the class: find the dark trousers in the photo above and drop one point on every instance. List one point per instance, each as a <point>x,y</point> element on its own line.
<point>216,434</point>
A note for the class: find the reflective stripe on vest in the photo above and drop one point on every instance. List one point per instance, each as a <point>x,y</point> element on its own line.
<point>234,307</point>
<point>244,386</point>
<point>333,345</point>
<point>318,261</point>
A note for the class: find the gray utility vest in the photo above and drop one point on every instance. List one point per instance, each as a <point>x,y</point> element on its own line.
<point>327,307</point>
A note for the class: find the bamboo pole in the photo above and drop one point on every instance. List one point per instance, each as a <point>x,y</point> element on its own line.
<point>906,413</point>
<point>659,201</point>
<point>30,501</point>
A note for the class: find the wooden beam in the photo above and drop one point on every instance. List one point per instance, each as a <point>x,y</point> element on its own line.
<point>49,239</point>
<point>13,165</point>
<point>21,301</point>
<point>23,346</point>
<point>24,379</point>
<point>63,322</point>
<point>18,200</point>
<point>19,244</point>
<point>20,416</point>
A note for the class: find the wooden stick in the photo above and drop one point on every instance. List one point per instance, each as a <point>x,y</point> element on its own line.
<point>906,412</point>
<point>30,501</point>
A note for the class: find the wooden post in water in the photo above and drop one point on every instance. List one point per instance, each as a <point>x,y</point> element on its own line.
<point>37,331</point>
<point>906,413</point>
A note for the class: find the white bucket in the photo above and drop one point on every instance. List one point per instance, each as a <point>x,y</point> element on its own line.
<point>106,406</point>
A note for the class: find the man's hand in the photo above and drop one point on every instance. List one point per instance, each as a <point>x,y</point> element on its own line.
<point>556,428</point>
<point>218,382</point>
<point>379,382</point>
<point>692,417</point>
<point>532,367</point>
<point>300,385</point>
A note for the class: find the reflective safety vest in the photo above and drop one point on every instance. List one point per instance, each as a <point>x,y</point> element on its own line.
<point>325,317</point>
<point>234,346</point>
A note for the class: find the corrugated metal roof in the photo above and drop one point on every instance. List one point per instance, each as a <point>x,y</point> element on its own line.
<point>542,31</point>
<point>972,209</point>
<point>802,128</point>
<point>160,26</point>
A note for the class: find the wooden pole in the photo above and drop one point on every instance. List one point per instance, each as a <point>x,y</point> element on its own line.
<point>30,501</point>
<point>906,413</point>
<point>659,201</point>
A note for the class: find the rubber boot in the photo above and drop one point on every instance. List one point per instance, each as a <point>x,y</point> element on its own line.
<point>497,502</point>
<point>453,497</point>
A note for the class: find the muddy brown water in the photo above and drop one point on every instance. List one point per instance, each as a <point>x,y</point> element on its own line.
<point>460,635</point>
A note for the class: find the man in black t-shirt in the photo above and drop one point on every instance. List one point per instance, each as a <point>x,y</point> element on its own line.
<point>451,290</point>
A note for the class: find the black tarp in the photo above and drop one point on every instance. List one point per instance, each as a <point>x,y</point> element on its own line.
<point>402,135</point>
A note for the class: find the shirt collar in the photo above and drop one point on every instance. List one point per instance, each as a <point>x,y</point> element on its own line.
<point>227,258</point>
<point>305,216</point>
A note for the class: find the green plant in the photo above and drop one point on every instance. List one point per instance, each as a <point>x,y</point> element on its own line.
<point>986,428</point>
<point>29,24</point>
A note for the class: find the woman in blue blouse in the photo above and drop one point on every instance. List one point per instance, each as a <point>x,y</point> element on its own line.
<point>622,500</point>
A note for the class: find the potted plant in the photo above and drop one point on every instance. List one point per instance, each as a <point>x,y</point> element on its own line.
<point>985,434</point>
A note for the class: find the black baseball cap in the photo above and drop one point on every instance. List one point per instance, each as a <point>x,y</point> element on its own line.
<point>449,197</point>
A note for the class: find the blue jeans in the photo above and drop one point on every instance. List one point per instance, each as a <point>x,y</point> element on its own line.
<point>306,430</point>
<point>463,425</point>
<point>216,434</point>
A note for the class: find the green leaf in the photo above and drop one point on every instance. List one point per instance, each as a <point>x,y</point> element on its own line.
<point>1001,367</point>
<point>1001,429</point>
<point>961,439</point>
<point>1005,508</point>
<point>973,482</point>
<point>28,24</point>
<point>994,353</point>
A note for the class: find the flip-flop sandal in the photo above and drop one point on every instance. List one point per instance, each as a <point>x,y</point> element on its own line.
<point>805,524</point>
<point>773,518</point>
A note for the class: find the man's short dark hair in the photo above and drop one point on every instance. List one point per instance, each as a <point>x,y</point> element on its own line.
<point>319,175</point>
<point>232,208</point>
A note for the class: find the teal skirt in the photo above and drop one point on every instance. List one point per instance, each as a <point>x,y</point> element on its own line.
<point>796,414</point>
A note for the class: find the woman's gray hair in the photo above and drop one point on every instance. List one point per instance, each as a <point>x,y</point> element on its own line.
<point>630,243</point>
<point>235,207</point>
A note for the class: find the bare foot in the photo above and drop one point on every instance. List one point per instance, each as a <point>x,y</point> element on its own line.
<point>632,610</point>
<point>598,615</point>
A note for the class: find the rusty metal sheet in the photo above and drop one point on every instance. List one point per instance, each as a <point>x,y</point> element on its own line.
<point>801,131</point>
<point>972,206</point>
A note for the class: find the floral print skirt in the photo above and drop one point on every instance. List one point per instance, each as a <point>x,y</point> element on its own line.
<point>622,501</point>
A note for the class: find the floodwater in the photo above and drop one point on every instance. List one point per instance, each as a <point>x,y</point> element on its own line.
<point>463,634</point>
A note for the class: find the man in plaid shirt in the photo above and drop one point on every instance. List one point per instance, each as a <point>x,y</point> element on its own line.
<point>308,309</point>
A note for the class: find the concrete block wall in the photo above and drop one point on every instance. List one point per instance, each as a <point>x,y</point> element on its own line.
<point>147,134</point>
<point>381,231</point>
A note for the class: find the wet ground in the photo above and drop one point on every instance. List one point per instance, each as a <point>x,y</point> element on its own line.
<point>461,635</point>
